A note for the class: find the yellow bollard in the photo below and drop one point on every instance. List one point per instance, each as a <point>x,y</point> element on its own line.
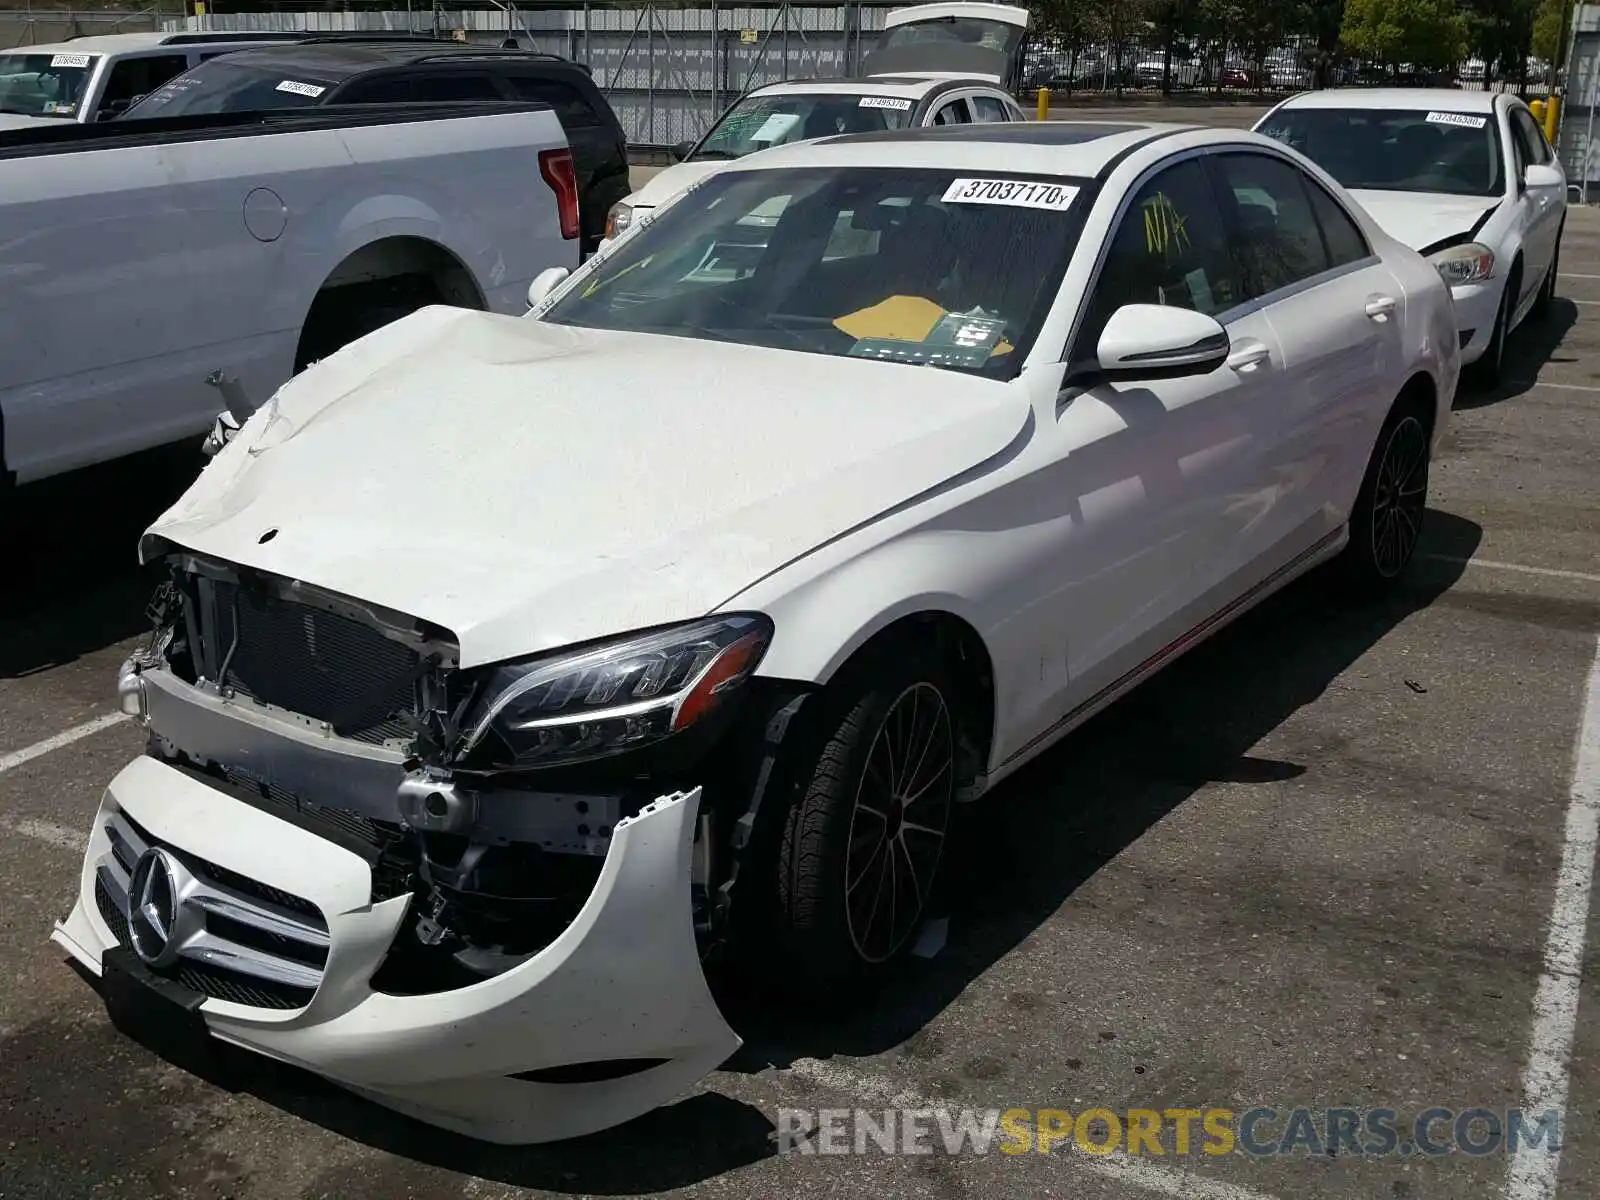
<point>1044,104</point>
<point>1536,107</point>
<point>1552,118</point>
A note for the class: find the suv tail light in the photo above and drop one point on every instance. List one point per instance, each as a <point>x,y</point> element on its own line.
<point>556,167</point>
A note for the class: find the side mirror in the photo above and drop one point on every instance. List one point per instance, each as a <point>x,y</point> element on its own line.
<point>1159,341</point>
<point>681,151</point>
<point>545,282</point>
<point>1543,175</point>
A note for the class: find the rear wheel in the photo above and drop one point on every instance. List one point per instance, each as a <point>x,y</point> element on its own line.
<point>864,840</point>
<point>1386,522</point>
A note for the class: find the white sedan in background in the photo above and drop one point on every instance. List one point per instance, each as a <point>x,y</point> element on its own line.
<point>1465,178</point>
<point>512,668</point>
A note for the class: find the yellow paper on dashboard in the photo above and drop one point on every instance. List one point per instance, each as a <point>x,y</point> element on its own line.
<point>899,319</point>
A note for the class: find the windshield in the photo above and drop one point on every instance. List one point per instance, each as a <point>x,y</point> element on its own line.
<point>220,86</point>
<point>758,122</point>
<point>1452,153</point>
<point>928,267</point>
<point>43,85</point>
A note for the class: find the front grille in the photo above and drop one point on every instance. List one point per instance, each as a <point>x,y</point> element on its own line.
<point>255,944</point>
<point>312,662</point>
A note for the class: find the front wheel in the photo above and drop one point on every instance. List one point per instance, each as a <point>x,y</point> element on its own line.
<point>864,839</point>
<point>1386,522</point>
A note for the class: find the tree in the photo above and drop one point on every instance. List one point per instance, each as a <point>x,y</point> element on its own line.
<point>1431,34</point>
<point>1549,29</point>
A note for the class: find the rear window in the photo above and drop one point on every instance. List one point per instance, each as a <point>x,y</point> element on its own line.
<point>1452,153</point>
<point>221,86</point>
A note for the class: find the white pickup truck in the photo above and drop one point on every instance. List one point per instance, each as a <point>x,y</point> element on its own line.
<point>144,266</point>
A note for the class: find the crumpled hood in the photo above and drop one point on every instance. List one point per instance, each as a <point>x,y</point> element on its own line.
<point>527,485</point>
<point>668,183</point>
<point>1420,219</point>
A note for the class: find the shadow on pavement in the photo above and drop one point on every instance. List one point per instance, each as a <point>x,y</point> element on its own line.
<point>1533,344</point>
<point>73,583</point>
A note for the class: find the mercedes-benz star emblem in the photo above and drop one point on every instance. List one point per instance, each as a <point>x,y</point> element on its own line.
<point>154,898</point>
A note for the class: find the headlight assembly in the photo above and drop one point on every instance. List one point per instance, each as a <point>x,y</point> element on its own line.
<point>618,696</point>
<point>1471,263</point>
<point>619,218</point>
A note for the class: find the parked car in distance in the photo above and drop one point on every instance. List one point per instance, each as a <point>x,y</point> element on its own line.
<point>945,63</point>
<point>347,70</point>
<point>1467,179</point>
<point>996,422</point>
<point>781,114</point>
<point>146,258</point>
<point>97,77</point>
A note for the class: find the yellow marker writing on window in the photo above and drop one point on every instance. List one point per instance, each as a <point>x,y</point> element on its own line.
<point>1164,226</point>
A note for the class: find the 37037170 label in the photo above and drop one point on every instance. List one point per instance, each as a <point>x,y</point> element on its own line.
<point>1015,193</point>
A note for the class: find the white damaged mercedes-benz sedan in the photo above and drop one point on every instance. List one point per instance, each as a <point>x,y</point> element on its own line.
<point>510,670</point>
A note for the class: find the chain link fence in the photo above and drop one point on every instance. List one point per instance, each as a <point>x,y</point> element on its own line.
<point>669,70</point>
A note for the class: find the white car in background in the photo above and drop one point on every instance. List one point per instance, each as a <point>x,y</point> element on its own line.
<point>512,667</point>
<point>1465,178</point>
<point>936,64</point>
<point>97,77</point>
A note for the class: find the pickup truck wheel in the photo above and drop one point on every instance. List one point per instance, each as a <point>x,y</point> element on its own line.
<point>863,841</point>
<point>340,315</point>
<point>1386,521</point>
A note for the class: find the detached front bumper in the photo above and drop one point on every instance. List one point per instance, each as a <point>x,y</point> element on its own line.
<point>618,999</point>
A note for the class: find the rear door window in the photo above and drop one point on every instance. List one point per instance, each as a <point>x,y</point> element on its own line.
<point>1277,238</point>
<point>445,86</point>
<point>131,78</point>
<point>989,108</point>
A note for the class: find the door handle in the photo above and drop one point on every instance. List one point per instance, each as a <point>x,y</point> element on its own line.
<point>1380,308</point>
<point>1246,355</point>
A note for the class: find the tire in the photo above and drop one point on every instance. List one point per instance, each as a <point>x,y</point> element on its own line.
<point>863,840</point>
<point>1386,521</point>
<point>1547,293</point>
<point>1487,371</point>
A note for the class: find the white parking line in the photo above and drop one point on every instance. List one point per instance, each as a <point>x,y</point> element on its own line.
<point>1134,1172</point>
<point>1565,387</point>
<point>1574,275</point>
<point>65,738</point>
<point>49,831</point>
<point>1555,1004</point>
<point>1490,563</point>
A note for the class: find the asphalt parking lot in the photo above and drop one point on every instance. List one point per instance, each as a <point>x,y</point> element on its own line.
<point>1332,858</point>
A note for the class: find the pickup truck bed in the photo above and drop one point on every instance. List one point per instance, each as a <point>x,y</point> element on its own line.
<point>139,260</point>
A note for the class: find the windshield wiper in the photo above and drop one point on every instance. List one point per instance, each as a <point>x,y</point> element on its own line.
<point>715,154</point>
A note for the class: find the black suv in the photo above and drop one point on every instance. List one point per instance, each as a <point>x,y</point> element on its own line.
<point>414,71</point>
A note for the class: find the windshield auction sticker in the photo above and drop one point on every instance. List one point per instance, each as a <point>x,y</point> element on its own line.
<point>1465,120</point>
<point>70,60</point>
<point>300,89</point>
<point>1016,193</point>
<point>884,102</point>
